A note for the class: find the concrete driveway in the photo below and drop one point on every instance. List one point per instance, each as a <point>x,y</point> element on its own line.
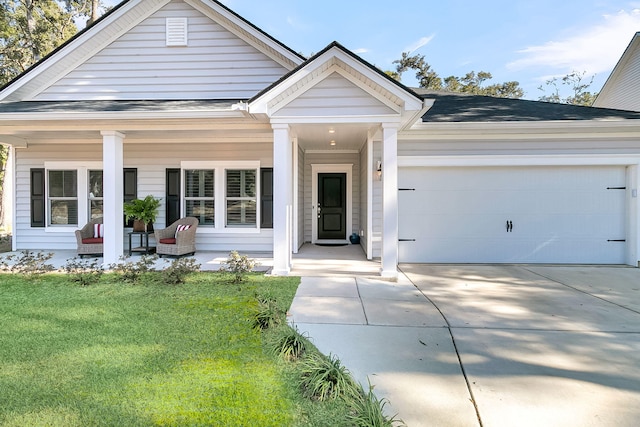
<point>482,345</point>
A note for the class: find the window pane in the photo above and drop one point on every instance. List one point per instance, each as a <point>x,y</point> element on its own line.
<point>201,209</point>
<point>241,183</point>
<point>96,209</point>
<point>241,212</point>
<point>64,212</point>
<point>199,183</point>
<point>63,183</point>
<point>95,184</point>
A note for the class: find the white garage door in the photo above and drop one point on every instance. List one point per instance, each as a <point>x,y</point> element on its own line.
<point>554,214</point>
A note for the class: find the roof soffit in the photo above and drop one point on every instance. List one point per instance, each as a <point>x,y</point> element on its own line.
<point>334,61</point>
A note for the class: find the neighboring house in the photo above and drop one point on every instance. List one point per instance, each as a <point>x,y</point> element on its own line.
<point>185,100</point>
<point>621,90</point>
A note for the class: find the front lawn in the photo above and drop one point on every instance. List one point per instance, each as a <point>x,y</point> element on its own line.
<point>119,354</point>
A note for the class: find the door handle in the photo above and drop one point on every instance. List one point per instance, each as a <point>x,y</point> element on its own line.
<point>319,208</point>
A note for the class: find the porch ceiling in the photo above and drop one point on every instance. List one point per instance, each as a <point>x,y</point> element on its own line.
<point>319,136</point>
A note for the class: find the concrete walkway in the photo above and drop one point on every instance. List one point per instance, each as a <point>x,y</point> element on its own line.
<point>487,345</point>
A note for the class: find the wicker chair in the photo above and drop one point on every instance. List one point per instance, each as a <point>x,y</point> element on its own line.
<point>87,244</point>
<point>168,242</point>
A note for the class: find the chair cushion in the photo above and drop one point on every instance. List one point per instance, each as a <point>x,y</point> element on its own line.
<point>182,227</point>
<point>98,231</point>
<point>92,240</point>
<point>168,241</point>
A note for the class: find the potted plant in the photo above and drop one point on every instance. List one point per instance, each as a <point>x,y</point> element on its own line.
<point>143,212</point>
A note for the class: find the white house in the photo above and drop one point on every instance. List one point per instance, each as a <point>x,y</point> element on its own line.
<point>189,102</point>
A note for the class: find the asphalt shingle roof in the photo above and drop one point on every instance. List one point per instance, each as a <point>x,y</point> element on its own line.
<point>114,106</point>
<point>458,107</point>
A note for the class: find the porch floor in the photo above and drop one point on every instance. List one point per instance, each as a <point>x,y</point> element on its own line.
<point>311,260</point>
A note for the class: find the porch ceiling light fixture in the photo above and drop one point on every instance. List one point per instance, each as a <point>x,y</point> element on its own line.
<point>332,130</point>
<point>332,143</point>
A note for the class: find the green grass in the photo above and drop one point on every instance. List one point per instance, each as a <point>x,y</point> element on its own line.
<point>116,354</point>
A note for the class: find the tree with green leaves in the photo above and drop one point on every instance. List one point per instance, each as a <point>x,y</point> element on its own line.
<point>471,83</point>
<point>577,86</point>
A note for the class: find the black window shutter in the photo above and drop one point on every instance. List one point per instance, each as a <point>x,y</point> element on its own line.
<point>173,196</point>
<point>130,191</point>
<point>266,198</point>
<point>37,197</point>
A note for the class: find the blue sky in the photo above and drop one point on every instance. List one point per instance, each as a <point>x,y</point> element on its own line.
<point>522,40</point>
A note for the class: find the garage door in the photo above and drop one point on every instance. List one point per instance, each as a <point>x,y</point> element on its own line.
<point>512,214</point>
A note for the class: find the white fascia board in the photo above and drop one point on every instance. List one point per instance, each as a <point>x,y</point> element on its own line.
<point>13,141</point>
<point>518,160</point>
<point>237,26</point>
<point>628,128</point>
<point>335,119</point>
<point>97,35</point>
<point>122,115</point>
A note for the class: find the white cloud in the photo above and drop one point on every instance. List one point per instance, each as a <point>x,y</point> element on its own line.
<point>593,50</point>
<point>420,43</point>
<point>361,51</point>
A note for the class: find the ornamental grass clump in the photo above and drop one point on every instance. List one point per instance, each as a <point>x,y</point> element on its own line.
<point>325,378</point>
<point>288,343</point>
<point>268,313</point>
<point>368,411</point>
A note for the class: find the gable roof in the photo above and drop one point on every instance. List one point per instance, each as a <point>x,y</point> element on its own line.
<point>459,107</point>
<point>621,90</point>
<point>127,14</point>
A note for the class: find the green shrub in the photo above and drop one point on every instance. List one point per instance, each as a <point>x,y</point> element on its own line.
<point>30,264</point>
<point>324,378</point>
<point>289,343</point>
<point>238,266</point>
<point>131,271</point>
<point>178,270</point>
<point>268,314</point>
<point>83,272</point>
<point>368,411</point>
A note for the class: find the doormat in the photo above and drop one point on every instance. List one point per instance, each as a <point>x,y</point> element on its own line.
<point>331,244</point>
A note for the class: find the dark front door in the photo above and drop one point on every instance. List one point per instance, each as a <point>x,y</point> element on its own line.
<point>332,206</point>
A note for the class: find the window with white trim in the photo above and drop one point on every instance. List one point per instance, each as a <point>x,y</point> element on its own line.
<point>223,195</point>
<point>241,196</point>
<point>199,195</point>
<point>63,197</point>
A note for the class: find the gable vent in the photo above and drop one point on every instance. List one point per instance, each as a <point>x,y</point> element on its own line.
<point>176,31</point>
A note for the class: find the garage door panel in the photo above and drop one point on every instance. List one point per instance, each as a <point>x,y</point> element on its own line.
<point>559,214</point>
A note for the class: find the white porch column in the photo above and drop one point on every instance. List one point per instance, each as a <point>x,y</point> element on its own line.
<point>112,165</point>
<point>389,200</point>
<point>282,199</point>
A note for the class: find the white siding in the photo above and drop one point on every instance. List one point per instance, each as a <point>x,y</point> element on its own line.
<point>334,96</point>
<point>330,158</point>
<point>151,162</point>
<point>623,92</point>
<point>215,65</point>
